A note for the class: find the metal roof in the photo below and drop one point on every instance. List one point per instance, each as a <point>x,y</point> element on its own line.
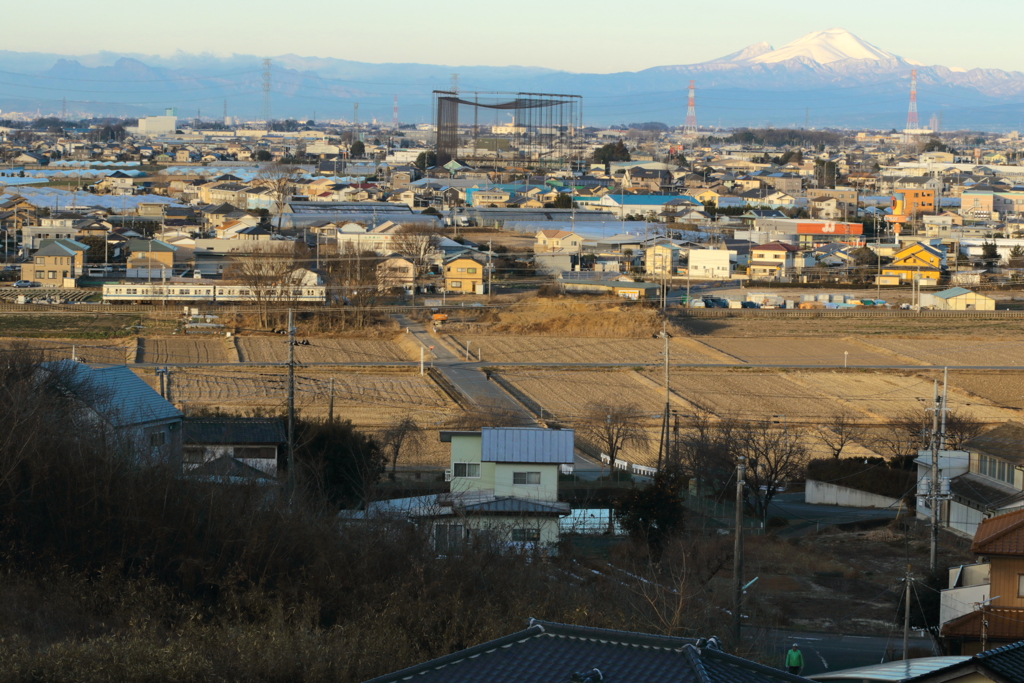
<point>891,671</point>
<point>527,444</point>
<point>116,393</point>
<point>516,505</point>
<point>234,431</point>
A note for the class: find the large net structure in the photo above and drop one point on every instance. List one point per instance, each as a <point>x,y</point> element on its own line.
<point>528,129</point>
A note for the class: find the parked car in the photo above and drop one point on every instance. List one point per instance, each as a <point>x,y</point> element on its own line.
<point>25,283</point>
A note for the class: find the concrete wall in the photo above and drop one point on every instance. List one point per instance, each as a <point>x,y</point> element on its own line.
<point>820,493</point>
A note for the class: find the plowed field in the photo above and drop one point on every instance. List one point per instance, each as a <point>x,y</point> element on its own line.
<point>943,352</point>
<point>111,351</point>
<point>544,349</point>
<point>320,350</point>
<point>799,351</point>
<point>183,350</point>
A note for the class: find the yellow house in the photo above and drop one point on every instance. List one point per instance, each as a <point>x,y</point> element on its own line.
<point>705,196</point>
<point>504,486</point>
<point>464,275</point>
<point>918,261</point>
<point>564,241</point>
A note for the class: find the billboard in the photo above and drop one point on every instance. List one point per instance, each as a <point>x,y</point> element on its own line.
<point>828,228</point>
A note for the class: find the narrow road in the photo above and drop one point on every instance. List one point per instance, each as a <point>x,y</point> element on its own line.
<point>825,652</point>
<point>805,517</point>
<point>470,380</point>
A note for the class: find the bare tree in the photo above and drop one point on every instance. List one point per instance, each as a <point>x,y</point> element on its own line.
<point>418,243</point>
<point>267,271</point>
<point>838,432</point>
<point>490,414</point>
<point>402,435</point>
<point>961,428</point>
<point>356,276</point>
<point>279,179</point>
<point>704,451</point>
<point>613,427</point>
<point>775,455</point>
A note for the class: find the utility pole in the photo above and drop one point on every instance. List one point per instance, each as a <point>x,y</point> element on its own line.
<point>490,269</point>
<point>737,553</point>
<point>330,401</point>
<point>663,445</point>
<point>934,561</point>
<point>290,485</point>
<point>906,616</point>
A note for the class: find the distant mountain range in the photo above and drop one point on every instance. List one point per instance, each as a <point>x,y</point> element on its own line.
<point>825,79</point>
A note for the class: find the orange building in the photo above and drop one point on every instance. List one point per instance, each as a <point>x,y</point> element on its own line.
<point>908,205</point>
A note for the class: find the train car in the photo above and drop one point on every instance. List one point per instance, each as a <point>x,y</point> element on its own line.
<point>206,292</point>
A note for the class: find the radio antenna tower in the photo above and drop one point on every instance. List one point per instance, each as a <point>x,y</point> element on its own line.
<point>691,115</point>
<point>265,112</point>
<point>912,123</point>
<point>394,114</point>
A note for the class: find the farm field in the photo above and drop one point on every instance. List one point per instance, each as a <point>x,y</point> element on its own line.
<point>886,395</point>
<point>367,398</point>
<point>943,352</point>
<point>800,351</point>
<point>936,328</point>
<point>110,351</point>
<point>183,349</point>
<point>320,350</point>
<point>1003,388</point>
<point>72,325</point>
<point>544,349</point>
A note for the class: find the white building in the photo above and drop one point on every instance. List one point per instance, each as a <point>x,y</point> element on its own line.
<point>710,263</point>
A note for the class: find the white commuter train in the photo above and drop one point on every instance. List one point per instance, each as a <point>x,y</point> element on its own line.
<point>181,292</point>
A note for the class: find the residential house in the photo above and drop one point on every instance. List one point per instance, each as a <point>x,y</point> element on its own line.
<point>1001,665</point>
<point>999,618</point>
<point>563,241</point>
<point>846,198</point>
<point>395,272</point>
<point>713,264</point>
<point>547,651</point>
<point>150,259</point>
<point>774,260</point>
<point>464,275</point>
<point>118,183</point>
<point>246,443</point>
<point>492,197</point>
<point>57,263</point>
<point>135,415</point>
<point>826,208</point>
<point>919,261</point>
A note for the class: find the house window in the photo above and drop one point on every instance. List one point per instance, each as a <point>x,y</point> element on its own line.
<point>460,270</point>
<point>466,470</point>
<point>157,439</point>
<point>456,284</point>
<point>39,260</point>
<point>471,271</point>
<point>1020,585</point>
<point>525,535</point>
<point>51,275</point>
<point>526,478</point>
<point>39,274</point>
<point>448,538</point>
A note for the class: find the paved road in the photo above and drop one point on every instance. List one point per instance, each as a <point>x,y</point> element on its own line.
<point>469,378</point>
<point>806,517</point>
<point>825,652</point>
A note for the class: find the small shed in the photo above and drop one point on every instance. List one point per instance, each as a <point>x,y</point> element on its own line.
<point>961,299</point>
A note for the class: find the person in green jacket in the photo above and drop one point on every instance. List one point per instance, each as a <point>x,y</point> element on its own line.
<point>795,660</point>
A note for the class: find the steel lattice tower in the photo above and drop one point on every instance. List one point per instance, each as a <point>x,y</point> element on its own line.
<point>912,123</point>
<point>394,114</point>
<point>265,111</point>
<point>690,128</point>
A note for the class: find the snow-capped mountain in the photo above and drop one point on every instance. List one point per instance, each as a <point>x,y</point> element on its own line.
<point>825,78</point>
<point>822,47</point>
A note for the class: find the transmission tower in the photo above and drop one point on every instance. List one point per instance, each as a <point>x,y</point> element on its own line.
<point>455,83</point>
<point>64,109</point>
<point>691,115</point>
<point>394,114</point>
<point>912,123</point>
<point>265,112</point>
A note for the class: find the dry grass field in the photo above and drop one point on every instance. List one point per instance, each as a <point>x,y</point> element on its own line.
<point>110,351</point>
<point>547,349</point>
<point>942,352</point>
<point>320,350</point>
<point>1003,388</point>
<point>797,351</point>
<point>935,328</point>
<point>886,395</point>
<point>190,349</point>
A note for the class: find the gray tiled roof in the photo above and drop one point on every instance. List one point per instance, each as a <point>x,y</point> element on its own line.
<point>1007,661</point>
<point>233,431</point>
<point>527,444</point>
<point>550,653</point>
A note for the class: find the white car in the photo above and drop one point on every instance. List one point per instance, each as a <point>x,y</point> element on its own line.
<point>25,283</point>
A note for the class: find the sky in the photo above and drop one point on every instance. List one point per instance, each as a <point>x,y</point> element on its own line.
<point>601,36</point>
